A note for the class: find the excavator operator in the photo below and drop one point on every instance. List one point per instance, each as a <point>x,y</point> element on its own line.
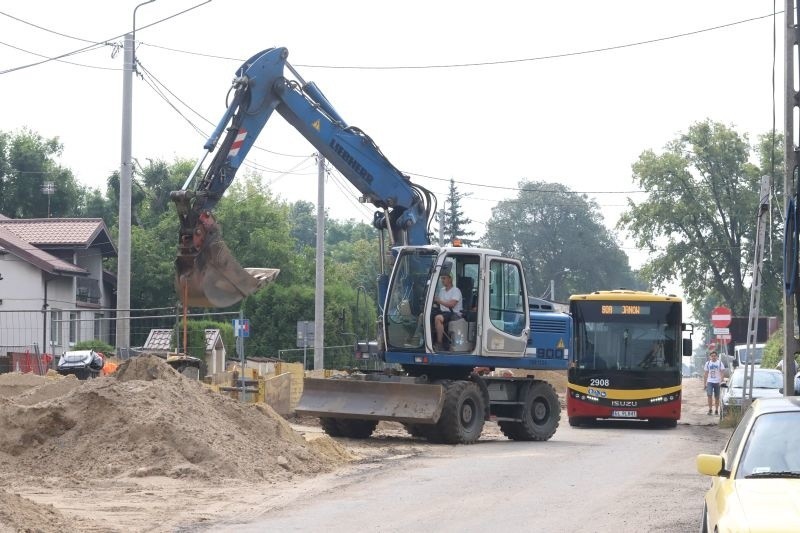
<point>449,301</point>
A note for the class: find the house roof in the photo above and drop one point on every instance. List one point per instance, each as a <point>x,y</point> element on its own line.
<point>42,260</point>
<point>60,233</point>
<point>160,340</point>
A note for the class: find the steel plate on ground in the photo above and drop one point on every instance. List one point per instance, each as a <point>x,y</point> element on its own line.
<point>371,400</point>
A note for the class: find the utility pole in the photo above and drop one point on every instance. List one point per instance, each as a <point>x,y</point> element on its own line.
<point>319,290</point>
<point>123,336</point>
<point>441,224</point>
<point>791,162</point>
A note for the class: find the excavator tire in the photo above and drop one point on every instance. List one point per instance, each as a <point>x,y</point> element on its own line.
<point>357,429</point>
<point>424,431</point>
<point>330,426</point>
<point>350,428</point>
<point>540,415</point>
<point>462,418</point>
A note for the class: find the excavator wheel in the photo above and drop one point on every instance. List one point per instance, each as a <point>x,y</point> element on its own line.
<point>424,431</point>
<point>462,418</point>
<point>540,415</point>
<point>350,428</point>
<point>330,426</point>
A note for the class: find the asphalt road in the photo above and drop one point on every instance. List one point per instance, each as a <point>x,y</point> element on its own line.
<point>616,477</point>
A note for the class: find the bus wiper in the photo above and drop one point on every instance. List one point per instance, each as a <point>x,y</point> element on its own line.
<point>773,474</point>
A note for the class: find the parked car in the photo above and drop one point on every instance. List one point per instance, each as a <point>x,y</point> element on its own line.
<point>767,383</point>
<point>755,481</point>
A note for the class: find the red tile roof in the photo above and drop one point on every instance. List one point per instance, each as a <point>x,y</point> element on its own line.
<point>61,232</point>
<point>37,257</point>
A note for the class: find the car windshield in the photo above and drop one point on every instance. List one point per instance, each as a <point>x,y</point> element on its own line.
<point>772,448</point>
<point>765,379</point>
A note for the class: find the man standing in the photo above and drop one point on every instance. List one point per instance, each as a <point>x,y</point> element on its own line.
<point>712,378</point>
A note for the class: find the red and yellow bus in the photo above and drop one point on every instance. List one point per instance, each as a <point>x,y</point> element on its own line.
<point>626,357</point>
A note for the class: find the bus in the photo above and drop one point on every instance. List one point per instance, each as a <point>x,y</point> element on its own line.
<point>626,357</point>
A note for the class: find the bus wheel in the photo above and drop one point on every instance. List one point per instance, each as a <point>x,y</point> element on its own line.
<point>578,421</point>
<point>540,415</point>
<point>664,422</point>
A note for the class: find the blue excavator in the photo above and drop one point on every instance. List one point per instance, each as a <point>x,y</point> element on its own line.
<point>441,392</point>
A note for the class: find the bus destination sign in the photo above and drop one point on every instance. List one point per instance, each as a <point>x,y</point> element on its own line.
<point>625,309</point>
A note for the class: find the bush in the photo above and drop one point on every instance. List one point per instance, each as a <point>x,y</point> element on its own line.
<point>196,336</point>
<point>96,345</point>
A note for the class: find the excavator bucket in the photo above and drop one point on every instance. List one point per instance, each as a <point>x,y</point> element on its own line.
<point>207,274</point>
<point>410,403</point>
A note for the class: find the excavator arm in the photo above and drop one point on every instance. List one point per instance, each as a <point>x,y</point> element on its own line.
<point>206,272</point>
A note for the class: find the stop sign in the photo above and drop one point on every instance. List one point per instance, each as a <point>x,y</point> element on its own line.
<point>721,317</point>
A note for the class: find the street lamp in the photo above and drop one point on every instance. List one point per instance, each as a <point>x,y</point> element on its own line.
<point>133,36</point>
<point>561,277</point>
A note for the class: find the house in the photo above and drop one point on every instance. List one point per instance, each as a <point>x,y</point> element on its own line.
<point>160,340</point>
<point>53,289</point>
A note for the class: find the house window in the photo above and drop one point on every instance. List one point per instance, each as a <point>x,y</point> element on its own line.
<point>55,327</point>
<point>98,326</point>
<point>74,328</point>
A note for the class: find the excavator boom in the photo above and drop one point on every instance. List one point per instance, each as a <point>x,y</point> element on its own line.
<point>206,272</point>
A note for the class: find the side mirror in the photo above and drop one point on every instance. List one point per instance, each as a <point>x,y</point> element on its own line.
<point>723,385</point>
<point>687,346</point>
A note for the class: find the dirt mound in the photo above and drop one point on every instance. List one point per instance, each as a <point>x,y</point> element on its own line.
<point>148,420</point>
<point>18,514</point>
<point>14,383</point>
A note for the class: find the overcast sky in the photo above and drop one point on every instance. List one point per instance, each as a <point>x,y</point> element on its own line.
<point>484,93</point>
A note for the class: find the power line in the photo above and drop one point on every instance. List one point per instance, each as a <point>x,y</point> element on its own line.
<point>496,62</point>
<point>93,43</point>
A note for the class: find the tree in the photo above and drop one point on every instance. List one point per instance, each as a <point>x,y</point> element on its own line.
<point>455,223</point>
<point>27,162</point>
<point>699,218</point>
<point>559,236</point>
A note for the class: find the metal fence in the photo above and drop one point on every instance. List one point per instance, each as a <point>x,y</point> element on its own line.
<point>335,357</point>
<point>23,332</point>
<point>59,330</point>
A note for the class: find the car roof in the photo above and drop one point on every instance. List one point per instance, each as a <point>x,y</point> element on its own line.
<point>762,370</point>
<point>774,405</point>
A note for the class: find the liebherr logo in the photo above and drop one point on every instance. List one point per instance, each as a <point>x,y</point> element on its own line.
<point>350,160</point>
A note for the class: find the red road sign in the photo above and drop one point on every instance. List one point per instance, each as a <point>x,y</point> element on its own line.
<point>721,317</point>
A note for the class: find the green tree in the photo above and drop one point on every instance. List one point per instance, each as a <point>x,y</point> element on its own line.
<point>559,235</point>
<point>698,220</point>
<point>27,162</point>
<point>455,222</point>
<point>303,222</point>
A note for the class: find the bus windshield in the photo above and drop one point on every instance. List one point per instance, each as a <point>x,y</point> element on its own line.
<point>627,335</point>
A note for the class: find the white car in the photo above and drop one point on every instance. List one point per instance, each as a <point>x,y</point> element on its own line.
<point>767,383</point>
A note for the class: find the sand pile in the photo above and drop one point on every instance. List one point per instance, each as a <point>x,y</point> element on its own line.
<point>18,513</point>
<point>149,420</point>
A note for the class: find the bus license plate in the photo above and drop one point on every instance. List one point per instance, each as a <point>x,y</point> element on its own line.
<point>623,414</point>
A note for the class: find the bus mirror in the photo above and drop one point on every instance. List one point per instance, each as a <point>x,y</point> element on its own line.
<point>687,346</point>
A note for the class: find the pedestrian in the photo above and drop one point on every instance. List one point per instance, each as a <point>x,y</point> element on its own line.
<point>712,378</point>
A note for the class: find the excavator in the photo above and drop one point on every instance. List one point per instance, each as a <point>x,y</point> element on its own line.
<point>435,390</point>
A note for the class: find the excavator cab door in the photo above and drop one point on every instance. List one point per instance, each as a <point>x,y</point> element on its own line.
<point>504,318</point>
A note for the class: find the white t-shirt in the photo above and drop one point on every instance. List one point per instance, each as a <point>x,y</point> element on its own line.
<point>453,294</point>
<point>714,369</point>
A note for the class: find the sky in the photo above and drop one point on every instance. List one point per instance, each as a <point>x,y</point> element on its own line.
<point>484,94</point>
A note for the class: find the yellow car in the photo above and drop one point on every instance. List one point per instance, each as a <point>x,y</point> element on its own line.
<point>755,481</point>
